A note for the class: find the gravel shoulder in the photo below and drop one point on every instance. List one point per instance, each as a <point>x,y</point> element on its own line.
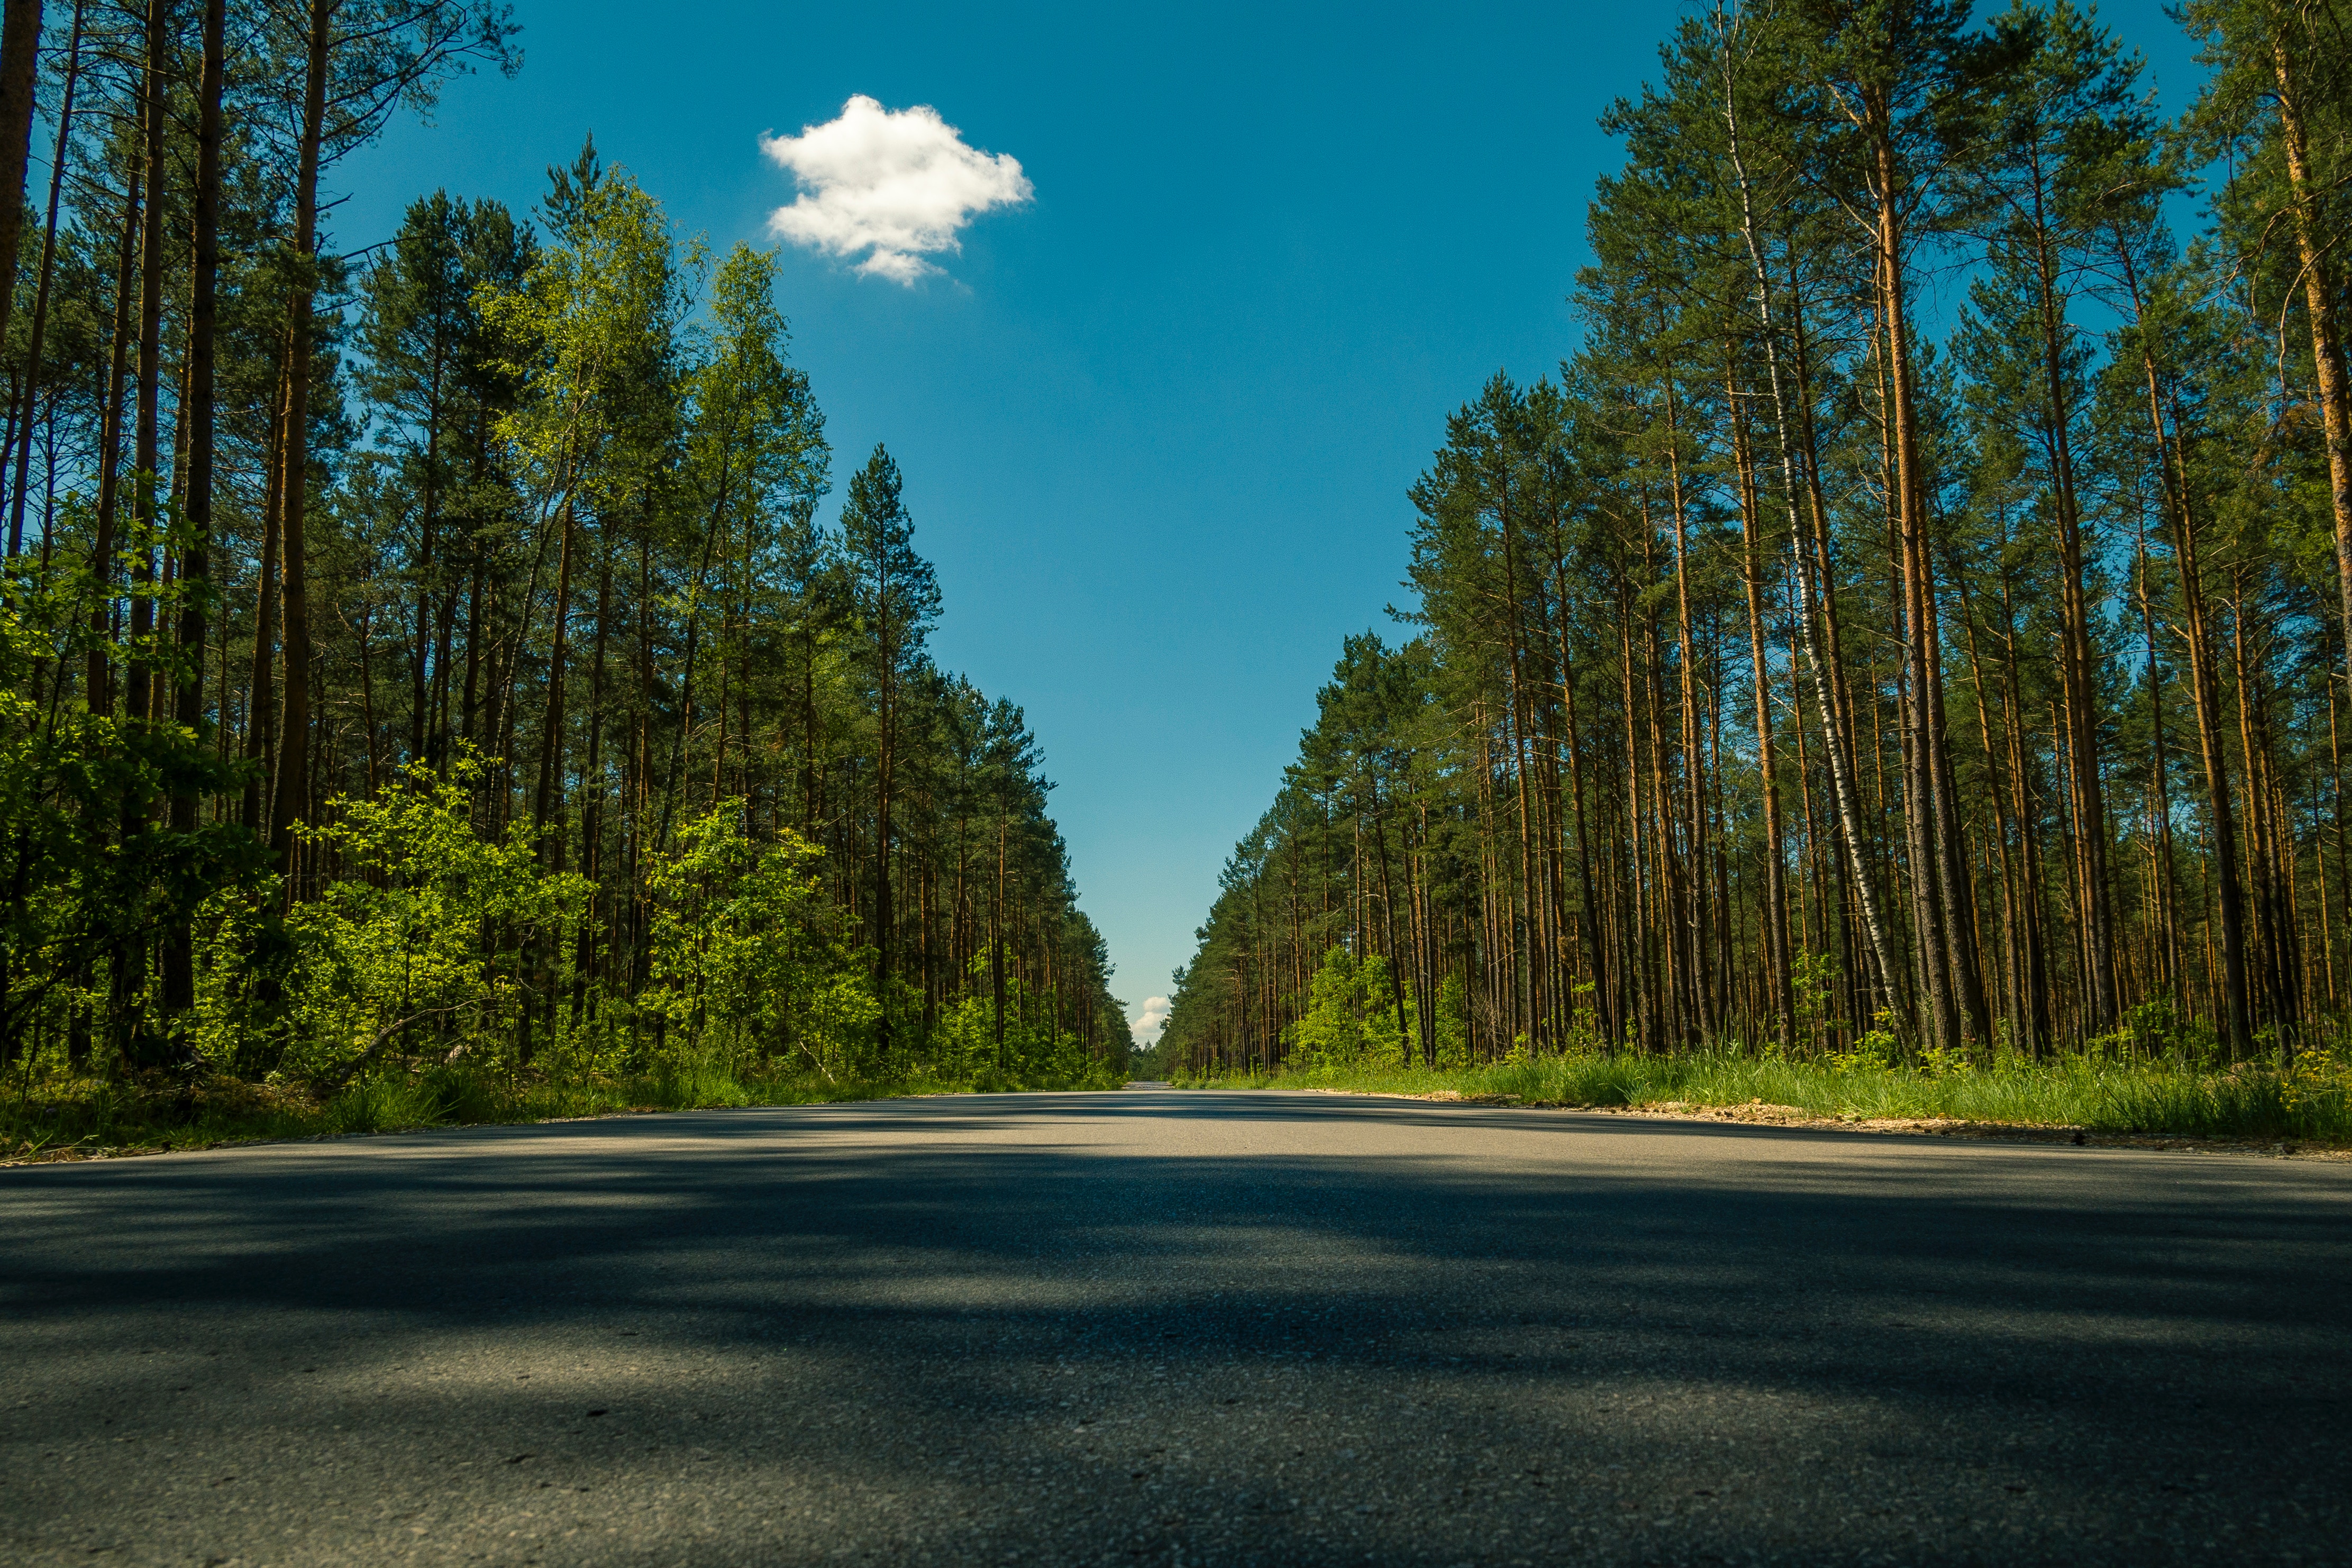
<point>1757,1113</point>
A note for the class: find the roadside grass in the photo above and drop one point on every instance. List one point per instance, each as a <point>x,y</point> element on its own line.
<point>2312,1104</point>
<point>59,1117</point>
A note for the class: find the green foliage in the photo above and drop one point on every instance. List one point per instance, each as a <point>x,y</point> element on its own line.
<point>410,939</point>
<point>1350,1019</point>
<point>1331,1033</point>
<point>58,1116</point>
<point>1453,1023</point>
<point>1872,1048</point>
<point>744,959</point>
<point>93,873</point>
<point>1811,980</point>
<point>1035,1048</point>
<point>561,493</point>
<point>591,333</point>
<point>1892,688</point>
<point>2310,1103</point>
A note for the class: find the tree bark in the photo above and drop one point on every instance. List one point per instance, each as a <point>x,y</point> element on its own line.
<point>197,422</point>
<point>2204,678</point>
<point>290,795</point>
<point>261,704</point>
<point>2101,1001</point>
<point>99,690</point>
<point>147,460</point>
<point>1779,997</point>
<point>1834,732</point>
<point>591,810</point>
<point>1948,943</point>
<point>20,46</point>
<point>2334,387</point>
<point>42,290</point>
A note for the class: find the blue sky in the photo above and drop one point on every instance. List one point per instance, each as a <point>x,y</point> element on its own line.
<point>1157,423</point>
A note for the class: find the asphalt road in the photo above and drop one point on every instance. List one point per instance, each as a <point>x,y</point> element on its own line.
<point>1173,1328</point>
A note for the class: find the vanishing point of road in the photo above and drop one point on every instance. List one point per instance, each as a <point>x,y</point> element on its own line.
<point>1156,1327</point>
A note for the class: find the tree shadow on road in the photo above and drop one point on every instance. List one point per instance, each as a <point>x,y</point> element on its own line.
<point>2103,1326</point>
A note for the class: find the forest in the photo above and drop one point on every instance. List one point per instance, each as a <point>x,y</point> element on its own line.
<point>427,662</point>
<point>1911,624</point>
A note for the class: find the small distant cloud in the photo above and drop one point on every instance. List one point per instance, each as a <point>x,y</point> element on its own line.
<point>1150,1021</point>
<point>889,185</point>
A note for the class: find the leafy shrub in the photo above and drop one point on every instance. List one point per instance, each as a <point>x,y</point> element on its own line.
<point>402,951</point>
<point>744,955</point>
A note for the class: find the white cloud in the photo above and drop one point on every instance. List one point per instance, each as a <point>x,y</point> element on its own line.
<point>1148,1024</point>
<point>893,185</point>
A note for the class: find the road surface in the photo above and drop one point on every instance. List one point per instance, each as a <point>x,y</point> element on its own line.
<point>1162,1327</point>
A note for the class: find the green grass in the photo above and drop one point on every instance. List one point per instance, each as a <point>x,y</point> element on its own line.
<point>55,1116</point>
<point>58,1117</point>
<point>2312,1105</point>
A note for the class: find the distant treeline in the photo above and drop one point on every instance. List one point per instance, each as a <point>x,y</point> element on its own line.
<point>434,654</point>
<point>1915,619</point>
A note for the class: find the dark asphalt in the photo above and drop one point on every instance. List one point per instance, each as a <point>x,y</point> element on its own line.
<point>1174,1327</point>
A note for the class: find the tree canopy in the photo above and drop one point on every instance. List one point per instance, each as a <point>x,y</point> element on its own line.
<point>437,654</point>
<point>1914,618</point>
